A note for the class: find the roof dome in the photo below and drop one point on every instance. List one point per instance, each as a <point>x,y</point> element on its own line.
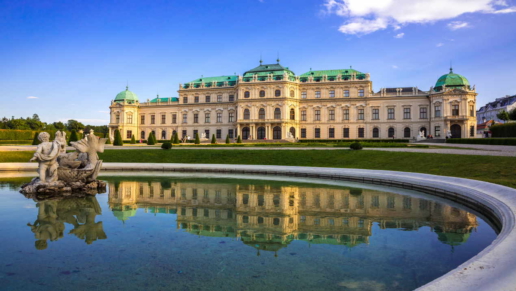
<point>126,95</point>
<point>451,80</point>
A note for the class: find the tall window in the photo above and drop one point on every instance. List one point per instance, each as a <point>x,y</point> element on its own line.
<point>231,117</point>
<point>277,93</point>
<point>129,134</point>
<point>196,99</point>
<point>423,114</point>
<point>303,132</point>
<point>208,99</point>
<point>471,110</point>
<point>437,131</point>
<point>207,132</point>
<point>292,94</point>
<point>196,118</point>
<point>317,94</point>
<point>345,133</point>
<point>332,93</point>
<point>142,134</point>
<point>207,119</point>
<point>230,133</point>
<point>247,94</point>
<point>152,119</point>
<point>130,118</point>
<point>331,132</point>
<point>317,115</point>
<point>406,113</point>
<point>163,118</point>
<point>142,119</point>
<point>317,133</point>
<point>219,117</point>
<point>303,94</point>
<point>361,93</point>
<point>391,132</point>
<point>261,113</point>
<point>185,100</point>
<point>247,114</point>
<point>183,132</point>
<point>292,114</point>
<point>231,98</point>
<point>376,114</point>
<point>219,98</point>
<point>218,133</point>
<point>406,132</point>
<point>346,93</point>
<point>472,131</point>
<point>303,115</point>
<point>455,110</point>
<point>331,114</point>
<point>360,114</point>
<point>185,117</point>
<point>361,132</point>
<point>262,93</point>
<point>174,118</point>
<point>437,111</point>
<point>390,113</point>
<point>277,113</point>
<point>346,114</point>
<point>376,132</point>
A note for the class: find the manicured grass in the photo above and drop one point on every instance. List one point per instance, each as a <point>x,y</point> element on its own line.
<point>500,170</point>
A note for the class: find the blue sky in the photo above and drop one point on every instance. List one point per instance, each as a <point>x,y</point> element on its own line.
<point>69,59</point>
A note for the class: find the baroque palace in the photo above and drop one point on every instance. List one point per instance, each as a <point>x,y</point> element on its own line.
<point>271,102</point>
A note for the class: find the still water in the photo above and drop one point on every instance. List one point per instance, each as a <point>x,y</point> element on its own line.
<point>187,232</point>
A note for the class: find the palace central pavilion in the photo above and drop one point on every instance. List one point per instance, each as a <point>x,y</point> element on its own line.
<point>271,102</point>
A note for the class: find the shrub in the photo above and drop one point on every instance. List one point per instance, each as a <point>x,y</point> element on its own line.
<point>227,139</point>
<point>488,141</point>
<point>176,138</point>
<point>35,141</point>
<point>73,137</point>
<point>213,139</point>
<point>108,141</point>
<point>355,146</point>
<point>390,140</point>
<point>166,145</point>
<point>503,130</point>
<point>239,139</point>
<point>151,140</point>
<point>118,139</point>
<point>197,139</point>
<point>355,191</point>
<point>133,139</point>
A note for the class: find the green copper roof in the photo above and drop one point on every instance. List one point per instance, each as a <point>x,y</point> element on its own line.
<point>265,70</point>
<point>164,99</point>
<point>126,95</point>
<point>332,74</point>
<point>451,80</point>
<point>124,215</point>
<point>208,81</point>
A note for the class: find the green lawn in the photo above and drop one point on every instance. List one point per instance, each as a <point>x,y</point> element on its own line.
<point>501,170</point>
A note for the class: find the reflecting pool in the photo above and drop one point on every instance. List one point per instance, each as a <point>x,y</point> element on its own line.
<point>199,232</point>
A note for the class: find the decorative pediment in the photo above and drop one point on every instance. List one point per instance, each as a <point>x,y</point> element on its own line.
<point>455,91</point>
<point>437,103</point>
<point>219,109</point>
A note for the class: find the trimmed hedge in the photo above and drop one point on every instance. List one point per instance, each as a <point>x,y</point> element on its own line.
<point>354,140</point>
<point>489,141</point>
<point>14,134</point>
<point>503,130</point>
<point>15,142</point>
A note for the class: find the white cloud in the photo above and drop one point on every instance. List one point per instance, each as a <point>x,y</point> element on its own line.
<point>454,25</point>
<point>394,66</point>
<point>367,16</point>
<point>32,97</point>
<point>399,35</point>
<point>439,44</point>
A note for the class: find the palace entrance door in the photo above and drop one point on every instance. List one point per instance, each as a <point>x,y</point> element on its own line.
<point>455,131</point>
<point>261,132</point>
<point>245,133</point>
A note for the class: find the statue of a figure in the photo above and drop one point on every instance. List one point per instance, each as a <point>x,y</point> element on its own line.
<point>46,154</point>
<point>90,145</point>
<point>61,138</point>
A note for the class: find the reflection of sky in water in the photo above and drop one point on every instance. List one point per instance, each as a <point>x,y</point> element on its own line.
<point>221,234</point>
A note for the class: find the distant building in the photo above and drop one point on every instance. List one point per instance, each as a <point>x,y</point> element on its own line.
<point>271,102</point>
<point>491,109</point>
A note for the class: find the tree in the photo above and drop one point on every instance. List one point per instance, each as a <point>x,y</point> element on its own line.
<point>74,124</point>
<point>36,141</point>
<point>197,139</point>
<point>35,117</point>
<point>227,139</point>
<point>108,141</point>
<point>213,139</point>
<point>503,115</point>
<point>239,139</point>
<point>151,140</point>
<point>73,137</point>
<point>175,138</point>
<point>118,139</point>
<point>59,125</point>
<point>512,114</point>
<point>133,139</point>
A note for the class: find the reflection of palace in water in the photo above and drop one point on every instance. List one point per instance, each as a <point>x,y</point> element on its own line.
<point>269,217</point>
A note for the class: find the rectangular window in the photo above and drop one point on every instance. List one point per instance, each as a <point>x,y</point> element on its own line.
<point>472,131</point>
<point>196,99</point>
<point>376,114</point>
<point>331,132</point>
<point>142,119</point>
<point>346,93</point>
<point>406,113</point>
<point>185,117</point>
<point>303,132</point>
<point>332,93</point>
<point>129,134</point>
<point>195,133</point>
<point>303,115</point>
<point>163,118</point>
<point>345,133</point>
<point>219,98</point>
<point>174,118</point>
<point>207,118</point>
<point>183,133</point>
<point>423,114</point>
<point>130,119</point>
<point>437,111</point>
<point>455,110</point>
<point>390,113</point>
<point>437,131</point>
<point>361,93</point>
<point>317,133</point>
<point>185,100</point>
<point>331,114</point>
<point>231,98</point>
<point>346,114</point>
<point>208,99</point>
<point>152,119</point>
<point>207,132</point>
<point>219,117</point>
<point>360,114</point>
<point>303,94</point>
<point>196,118</point>
<point>219,133</point>
<point>230,133</point>
<point>361,132</point>
<point>317,116</point>
<point>472,110</point>
<point>231,117</point>
<point>317,94</point>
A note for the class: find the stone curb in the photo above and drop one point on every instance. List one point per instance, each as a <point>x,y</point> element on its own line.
<point>491,269</point>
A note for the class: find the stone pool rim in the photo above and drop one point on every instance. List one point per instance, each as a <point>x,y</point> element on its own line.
<point>491,269</point>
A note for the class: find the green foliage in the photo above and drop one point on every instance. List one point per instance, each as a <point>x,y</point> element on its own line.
<point>197,139</point>
<point>35,141</point>
<point>106,135</point>
<point>227,139</point>
<point>503,130</point>
<point>118,139</point>
<point>175,138</point>
<point>151,140</point>
<point>355,191</point>
<point>73,124</point>
<point>133,139</point>
<point>503,115</point>
<point>355,146</point>
<point>512,114</point>
<point>488,141</point>
<point>239,139</point>
<point>213,139</point>
<point>73,137</point>
<point>166,145</point>
<point>59,125</point>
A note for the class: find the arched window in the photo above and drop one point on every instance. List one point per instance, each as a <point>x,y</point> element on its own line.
<point>292,93</point>
<point>245,133</point>
<point>406,132</point>
<point>391,132</point>
<point>292,114</point>
<point>261,113</point>
<point>376,132</point>
<point>163,134</point>
<point>277,113</point>
<point>247,115</point>
<point>277,93</point>
<point>142,135</point>
<point>276,132</point>
<point>423,129</point>
<point>262,93</point>
<point>247,94</point>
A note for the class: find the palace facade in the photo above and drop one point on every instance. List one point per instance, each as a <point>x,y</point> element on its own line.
<point>271,102</point>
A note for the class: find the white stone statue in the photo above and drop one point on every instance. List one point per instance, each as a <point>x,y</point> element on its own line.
<point>90,145</point>
<point>46,155</point>
<point>61,138</point>
<point>421,135</point>
<point>203,135</point>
